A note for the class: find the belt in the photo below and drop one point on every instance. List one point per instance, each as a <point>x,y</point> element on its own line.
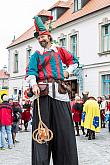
<point>50,80</point>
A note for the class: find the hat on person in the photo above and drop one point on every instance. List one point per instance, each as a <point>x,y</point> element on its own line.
<point>77,98</point>
<point>5,98</point>
<point>85,93</point>
<point>40,27</point>
<point>10,99</point>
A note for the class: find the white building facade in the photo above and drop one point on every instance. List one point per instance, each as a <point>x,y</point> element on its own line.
<point>93,49</point>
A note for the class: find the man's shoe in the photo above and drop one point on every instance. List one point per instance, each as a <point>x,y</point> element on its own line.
<point>9,147</point>
<point>86,135</point>
<point>16,141</point>
<point>89,138</point>
<point>77,135</point>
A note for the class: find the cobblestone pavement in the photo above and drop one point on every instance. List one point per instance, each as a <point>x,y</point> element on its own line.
<point>91,152</point>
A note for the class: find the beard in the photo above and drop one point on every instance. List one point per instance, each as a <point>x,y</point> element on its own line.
<point>43,43</point>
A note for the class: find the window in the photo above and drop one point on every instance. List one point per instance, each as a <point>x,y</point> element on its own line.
<point>15,96</point>
<point>106,84</point>
<point>63,42</point>
<point>77,5</point>
<point>73,44</point>
<point>16,63</point>
<point>105,38</point>
<point>15,91</point>
<point>54,14</point>
<point>28,55</point>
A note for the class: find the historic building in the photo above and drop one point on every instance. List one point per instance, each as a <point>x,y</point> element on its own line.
<point>83,28</point>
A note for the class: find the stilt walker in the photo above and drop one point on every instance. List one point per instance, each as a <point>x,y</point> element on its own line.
<point>52,126</point>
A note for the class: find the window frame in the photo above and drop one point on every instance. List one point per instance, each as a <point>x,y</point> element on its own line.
<point>105,84</point>
<point>54,14</point>
<point>77,5</point>
<point>73,44</point>
<point>16,61</point>
<point>28,54</point>
<point>105,37</point>
<point>73,33</point>
<point>102,24</point>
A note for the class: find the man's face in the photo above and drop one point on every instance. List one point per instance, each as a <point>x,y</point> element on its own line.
<point>43,40</point>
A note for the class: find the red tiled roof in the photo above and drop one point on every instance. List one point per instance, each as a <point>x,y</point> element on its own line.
<point>65,4</point>
<point>90,7</point>
<point>68,16</point>
<point>44,13</point>
<point>3,74</point>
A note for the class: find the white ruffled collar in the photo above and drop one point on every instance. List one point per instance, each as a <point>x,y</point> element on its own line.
<point>53,47</point>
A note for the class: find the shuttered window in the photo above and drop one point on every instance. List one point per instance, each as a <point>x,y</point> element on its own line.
<point>105,38</point>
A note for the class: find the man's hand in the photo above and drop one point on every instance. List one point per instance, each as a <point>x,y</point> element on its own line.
<point>66,74</point>
<point>36,90</point>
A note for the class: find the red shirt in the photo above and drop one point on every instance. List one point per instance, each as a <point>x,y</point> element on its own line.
<point>6,114</point>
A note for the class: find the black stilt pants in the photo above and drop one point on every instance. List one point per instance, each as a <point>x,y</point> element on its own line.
<point>57,116</point>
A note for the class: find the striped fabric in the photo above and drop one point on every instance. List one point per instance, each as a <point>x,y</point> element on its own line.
<point>53,69</point>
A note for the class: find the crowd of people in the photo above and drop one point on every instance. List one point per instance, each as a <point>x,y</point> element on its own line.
<point>12,115</point>
<point>90,114</point>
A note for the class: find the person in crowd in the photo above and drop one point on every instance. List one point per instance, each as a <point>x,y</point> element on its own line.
<point>72,102</point>
<point>26,115</point>
<point>108,108</point>
<point>103,108</point>
<point>6,119</point>
<point>77,113</point>
<point>46,67</point>
<point>91,117</point>
<point>84,99</point>
<point>99,101</point>
<point>85,96</point>
<point>16,117</point>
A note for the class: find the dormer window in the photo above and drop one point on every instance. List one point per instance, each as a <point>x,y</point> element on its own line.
<point>58,9</point>
<point>54,14</point>
<point>77,5</point>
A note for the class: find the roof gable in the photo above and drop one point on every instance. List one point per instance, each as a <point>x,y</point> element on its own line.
<point>62,4</point>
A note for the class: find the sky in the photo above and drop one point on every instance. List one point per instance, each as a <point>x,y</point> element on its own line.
<point>16,18</point>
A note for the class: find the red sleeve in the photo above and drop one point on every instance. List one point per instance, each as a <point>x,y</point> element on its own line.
<point>67,58</point>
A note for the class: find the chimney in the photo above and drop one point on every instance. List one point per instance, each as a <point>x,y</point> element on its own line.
<point>13,38</point>
<point>5,68</point>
